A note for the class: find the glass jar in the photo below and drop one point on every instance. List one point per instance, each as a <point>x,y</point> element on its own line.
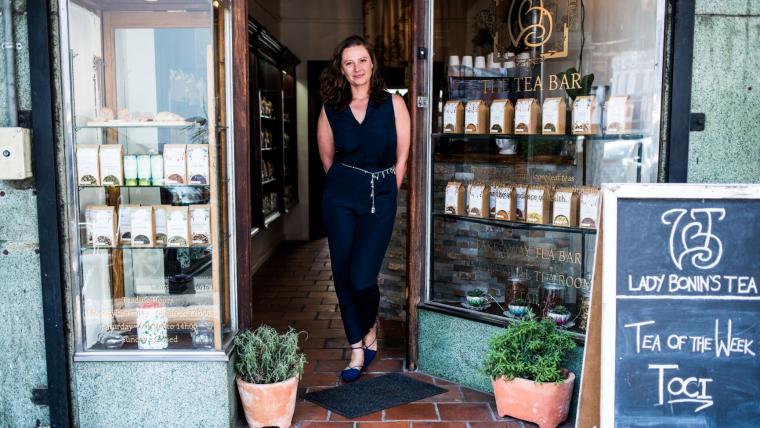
<point>551,295</point>
<point>517,287</point>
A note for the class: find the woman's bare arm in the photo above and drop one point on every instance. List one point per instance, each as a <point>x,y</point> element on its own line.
<point>325,141</point>
<point>403,137</point>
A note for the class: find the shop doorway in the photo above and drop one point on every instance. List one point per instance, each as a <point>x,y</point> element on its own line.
<point>316,171</point>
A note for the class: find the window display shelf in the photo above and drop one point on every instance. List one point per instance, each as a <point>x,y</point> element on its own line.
<point>159,186</point>
<point>134,124</point>
<point>499,159</point>
<point>537,137</point>
<point>516,224</point>
<point>271,180</point>
<point>493,315</point>
<point>268,117</point>
<point>130,248</point>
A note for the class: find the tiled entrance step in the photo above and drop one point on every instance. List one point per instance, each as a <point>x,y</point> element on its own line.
<point>294,289</point>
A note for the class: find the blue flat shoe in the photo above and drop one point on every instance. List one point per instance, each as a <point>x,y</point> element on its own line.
<point>352,373</point>
<point>369,354</point>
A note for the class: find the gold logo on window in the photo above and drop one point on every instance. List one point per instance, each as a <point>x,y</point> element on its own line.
<point>531,24</point>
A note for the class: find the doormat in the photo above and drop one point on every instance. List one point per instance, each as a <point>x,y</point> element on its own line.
<point>356,399</point>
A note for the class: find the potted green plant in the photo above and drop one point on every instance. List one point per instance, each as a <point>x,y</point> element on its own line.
<point>518,307</point>
<point>476,297</point>
<point>559,314</point>
<point>524,363</point>
<point>268,368</point>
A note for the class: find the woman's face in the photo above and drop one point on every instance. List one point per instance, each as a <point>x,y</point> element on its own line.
<point>356,65</point>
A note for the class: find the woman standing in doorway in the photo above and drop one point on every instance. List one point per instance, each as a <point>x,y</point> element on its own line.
<point>363,135</point>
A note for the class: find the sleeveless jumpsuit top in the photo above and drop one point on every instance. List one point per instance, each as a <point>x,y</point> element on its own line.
<point>362,149</point>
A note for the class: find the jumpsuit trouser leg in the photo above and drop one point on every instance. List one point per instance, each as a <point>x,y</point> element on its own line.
<point>358,241</point>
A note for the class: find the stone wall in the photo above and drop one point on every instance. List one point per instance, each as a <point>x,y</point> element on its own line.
<point>726,87</point>
<point>22,360</point>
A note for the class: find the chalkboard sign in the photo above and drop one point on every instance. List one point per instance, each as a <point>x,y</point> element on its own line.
<point>681,306</point>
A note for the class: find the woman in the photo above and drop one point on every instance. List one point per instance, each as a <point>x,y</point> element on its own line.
<point>363,136</point>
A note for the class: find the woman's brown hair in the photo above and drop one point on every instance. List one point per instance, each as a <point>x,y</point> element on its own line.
<point>334,87</point>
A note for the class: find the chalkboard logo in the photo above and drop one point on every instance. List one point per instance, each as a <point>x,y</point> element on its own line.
<point>692,237</point>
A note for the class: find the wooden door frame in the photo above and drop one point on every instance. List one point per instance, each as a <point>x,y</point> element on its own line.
<point>416,201</point>
<point>242,159</point>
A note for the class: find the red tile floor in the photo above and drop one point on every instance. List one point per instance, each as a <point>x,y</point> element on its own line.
<point>294,288</point>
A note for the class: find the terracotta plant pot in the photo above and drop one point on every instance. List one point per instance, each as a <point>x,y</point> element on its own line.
<point>545,404</point>
<point>268,405</point>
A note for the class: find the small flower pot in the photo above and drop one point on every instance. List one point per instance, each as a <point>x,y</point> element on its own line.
<point>545,404</point>
<point>559,319</point>
<point>517,311</point>
<point>268,405</point>
<point>476,300</point>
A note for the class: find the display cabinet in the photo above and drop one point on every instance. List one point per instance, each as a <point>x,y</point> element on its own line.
<point>148,178</point>
<point>535,104</point>
<point>274,172</point>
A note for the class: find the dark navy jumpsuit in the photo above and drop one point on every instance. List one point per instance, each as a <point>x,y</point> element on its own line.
<point>357,236</point>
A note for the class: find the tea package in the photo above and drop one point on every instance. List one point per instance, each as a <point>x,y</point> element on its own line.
<point>88,225</point>
<point>476,117</point>
<point>177,227</point>
<point>175,164</point>
<point>103,226</point>
<point>521,194</point>
<point>200,224</point>
<point>553,116</point>
<point>143,170</point>
<point>619,118</point>
<point>502,117</point>
<point>492,201</point>
<point>565,207</point>
<point>477,200</point>
<point>453,117</point>
<point>130,170</point>
<point>505,201</point>
<point>589,210</point>
<point>88,166</point>
<point>125,228</point>
<point>141,224</point>
<point>526,116</point>
<point>585,116</point>
<point>111,164</point>
<point>197,164</point>
<point>539,204</point>
<point>454,200</point>
<point>159,216</point>
<point>157,170</point>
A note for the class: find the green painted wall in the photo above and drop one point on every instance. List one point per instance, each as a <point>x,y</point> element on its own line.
<point>726,87</point>
<point>22,339</point>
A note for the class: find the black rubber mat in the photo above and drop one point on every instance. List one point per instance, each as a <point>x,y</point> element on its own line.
<point>369,396</point>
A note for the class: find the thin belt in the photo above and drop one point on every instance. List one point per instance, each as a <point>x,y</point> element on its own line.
<point>373,177</point>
